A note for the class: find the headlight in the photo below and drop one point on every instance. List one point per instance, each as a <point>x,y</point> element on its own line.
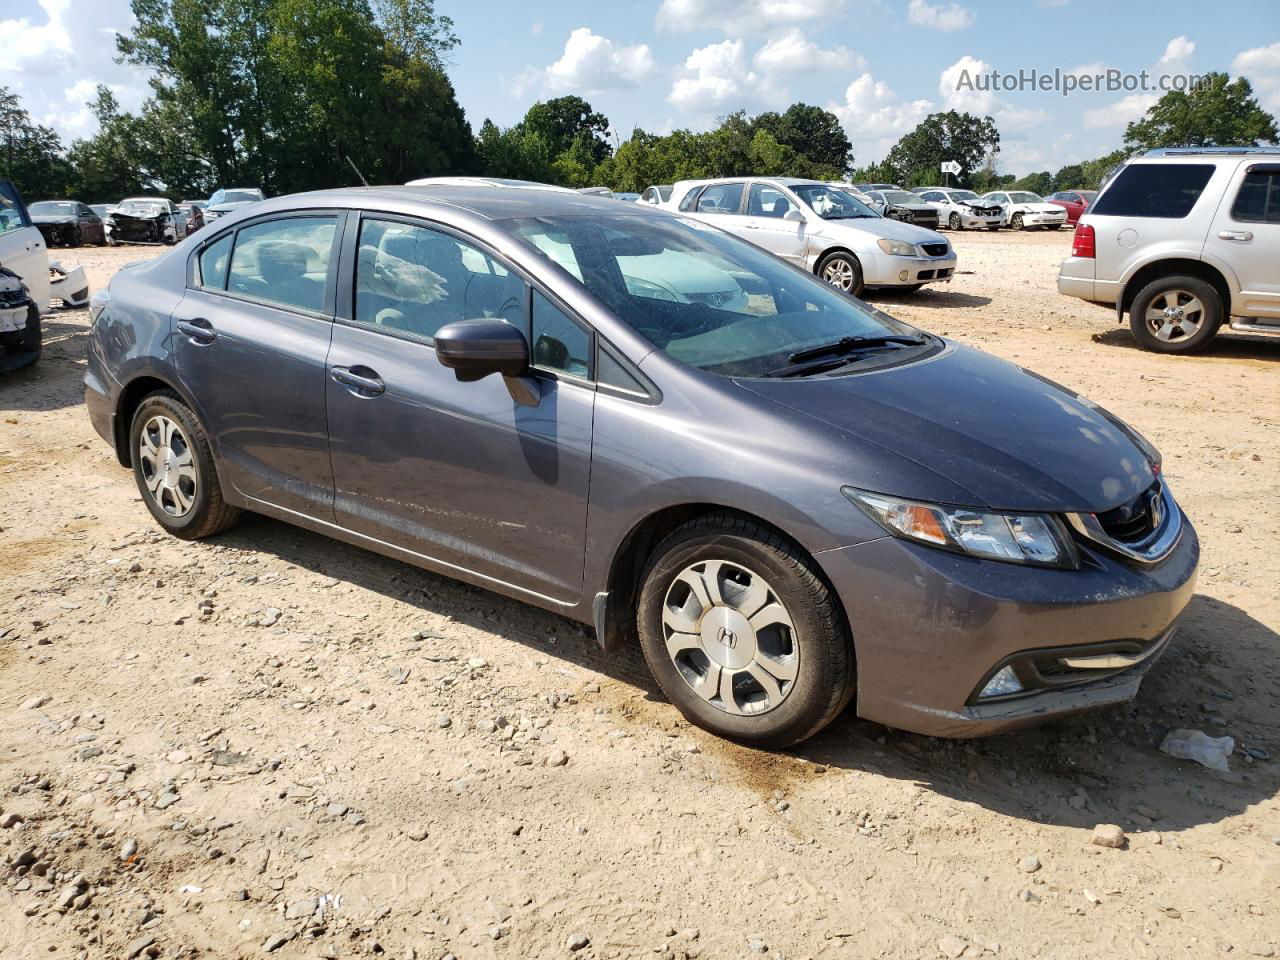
<point>898,248</point>
<point>1031,538</point>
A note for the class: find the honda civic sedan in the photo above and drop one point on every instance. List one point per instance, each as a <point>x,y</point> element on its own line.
<point>790,500</point>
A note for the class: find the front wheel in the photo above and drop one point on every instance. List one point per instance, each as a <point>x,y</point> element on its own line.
<point>174,469</point>
<point>1177,314</point>
<point>843,271</point>
<point>1016,222</point>
<point>742,634</point>
<point>954,221</point>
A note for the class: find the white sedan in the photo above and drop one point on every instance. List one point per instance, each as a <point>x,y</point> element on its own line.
<point>962,209</point>
<point>1023,209</point>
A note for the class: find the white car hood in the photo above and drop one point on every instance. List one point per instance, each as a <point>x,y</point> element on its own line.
<point>881,227</point>
<point>1035,207</point>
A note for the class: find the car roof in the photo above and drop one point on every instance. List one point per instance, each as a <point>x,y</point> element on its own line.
<point>479,199</point>
<point>148,199</point>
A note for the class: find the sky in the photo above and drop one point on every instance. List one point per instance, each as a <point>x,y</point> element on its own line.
<point>880,65</point>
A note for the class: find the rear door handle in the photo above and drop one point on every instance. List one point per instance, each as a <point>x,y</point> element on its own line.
<point>198,329</point>
<point>1240,236</point>
<point>364,380</point>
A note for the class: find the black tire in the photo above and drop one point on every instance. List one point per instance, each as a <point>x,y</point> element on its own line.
<point>856,286</point>
<point>953,222</point>
<point>1016,222</point>
<point>22,348</point>
<point>824,680</point>
<point>1211,314</point>
<point>1055,226</point>
<point>996,227</point>
<point>209,513</point>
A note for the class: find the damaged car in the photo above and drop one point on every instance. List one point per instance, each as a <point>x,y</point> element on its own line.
<point>228,200</point>
<point>148,220</point>
<point>19,323</point>
<point>67,223</point>
<point>961,209</point>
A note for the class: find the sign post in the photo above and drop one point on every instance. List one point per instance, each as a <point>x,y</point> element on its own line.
<point>949,167</point>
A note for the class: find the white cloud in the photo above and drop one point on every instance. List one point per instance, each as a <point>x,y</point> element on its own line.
<point>718,75</point>
<point>1261,67</point>
<point>1175,59</point>
<point>963,96</point>
<point>54,64</point>
<point>736,17</point>
<point>939,16</point>
<point>793,52</point>
<point>592,63</point>
<point>875,117</point>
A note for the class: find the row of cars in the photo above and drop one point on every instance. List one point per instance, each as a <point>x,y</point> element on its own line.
<point>71,223</point>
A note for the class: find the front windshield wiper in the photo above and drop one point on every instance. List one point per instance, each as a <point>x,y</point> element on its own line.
<point>829,356</point>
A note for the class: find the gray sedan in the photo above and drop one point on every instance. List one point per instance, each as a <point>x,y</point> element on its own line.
<point>788,498</point>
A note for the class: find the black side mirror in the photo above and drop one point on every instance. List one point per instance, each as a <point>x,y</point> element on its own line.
<point>473,349</point>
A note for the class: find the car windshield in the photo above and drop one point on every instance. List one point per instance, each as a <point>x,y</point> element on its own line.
<point>1025,197</point>
<point>47,208</point>
<point>831,203</point>
<point>235,196</point>
<point>705,297</point>
<point>141,207</point>
<point>901,196</point>
<point>963,195</point>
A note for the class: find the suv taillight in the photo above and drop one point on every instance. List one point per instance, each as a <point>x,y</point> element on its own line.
<point>1082,243</point>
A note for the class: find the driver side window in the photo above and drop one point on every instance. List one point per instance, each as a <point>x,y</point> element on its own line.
<point>766,201</point>
<point>414,280</point>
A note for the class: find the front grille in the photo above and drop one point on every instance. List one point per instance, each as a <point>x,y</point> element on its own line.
<point>934,249</point>
<point>1135,521</point>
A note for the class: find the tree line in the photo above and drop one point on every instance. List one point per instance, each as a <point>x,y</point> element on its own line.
<point>292,95</point>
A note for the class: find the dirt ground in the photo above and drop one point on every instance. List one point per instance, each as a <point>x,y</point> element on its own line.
<point>272,742</point>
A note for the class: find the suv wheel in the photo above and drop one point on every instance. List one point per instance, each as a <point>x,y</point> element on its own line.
<point>1177,314</point>
<point>173,466</point>
<point>742,634</point>
<point>843,271</point>
<point>1016,222</point>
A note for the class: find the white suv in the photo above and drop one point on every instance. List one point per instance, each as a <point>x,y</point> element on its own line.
<point>822,229</point>
<point>1183,239</point>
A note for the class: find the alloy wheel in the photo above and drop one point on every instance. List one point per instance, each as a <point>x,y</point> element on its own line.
<point>839,273</point>
<point>168,465</point>
<point>954,222</point>
<point>1174,315</point>
<point>730,637</point>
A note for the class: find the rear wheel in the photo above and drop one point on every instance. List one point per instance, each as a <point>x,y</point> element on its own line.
<point>1176,314</point>
<point>954,221</point>
<point>174,469</point>
<point>742,634</point>
<point>843,271</point>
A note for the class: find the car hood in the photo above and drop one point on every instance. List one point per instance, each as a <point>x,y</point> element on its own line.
<point>883,227</point>
<point>1037,207</point>
<point>1009,438</point>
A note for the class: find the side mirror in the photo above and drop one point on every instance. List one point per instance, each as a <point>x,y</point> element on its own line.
<point>793,215</point>
<point>473,349</point>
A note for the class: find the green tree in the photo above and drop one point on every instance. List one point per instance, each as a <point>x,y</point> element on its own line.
<point>415,30</point>
<point>962,137</point>
<point>1069,177</point>
<point>1040,183</point>
<point>515,152</point>
<point>566,121</point>
<point>31,155</point>
<point>109,165</point>
<point>1093,172</point>
<point>1220,111</point>
<point>814,135</point>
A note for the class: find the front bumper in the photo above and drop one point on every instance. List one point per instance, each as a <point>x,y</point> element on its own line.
<point>1043,220</point>
<point>969,221</point>
<point>68,284</point>
<point>930,627</point>
<point>890,271</point>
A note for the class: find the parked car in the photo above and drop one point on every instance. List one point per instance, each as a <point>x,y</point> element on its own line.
<point>765,497</point>
<point>485,182</point>
<point>868,187</point>
<point>596,191</point>
<point>1075,202</point>
<point>823,230</point>
<point>24,281</point>
<point>148,220</point>
<point>903,205</point>
<point>228,200</point>
<point>656,195</point>
<point>194,211</point>
<point>23,251</point>
<point>67,223</point>
<point>1184,240</point>
<point>626,196</point>
<point>20,338</point>
<point>1024,210</point>
<point>104,211</point>
<point>961,209</point>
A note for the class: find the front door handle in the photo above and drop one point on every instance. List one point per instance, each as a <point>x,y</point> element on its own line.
<point>364,380</point>
<point>198,329</point>
<point>1240,236</point>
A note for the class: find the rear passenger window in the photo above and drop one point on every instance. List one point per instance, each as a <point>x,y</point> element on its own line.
<point>414,280</point>
<point>213,263</point>
<point>1259,198</point>
<point>720,198</point>
<point>284,261</point>
<point>1164,190</point>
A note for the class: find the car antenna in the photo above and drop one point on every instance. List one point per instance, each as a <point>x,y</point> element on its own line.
<point>357,170</point>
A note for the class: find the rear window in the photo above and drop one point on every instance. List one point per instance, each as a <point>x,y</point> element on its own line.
<point>1259,198</point>
<point>1165,190</point>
